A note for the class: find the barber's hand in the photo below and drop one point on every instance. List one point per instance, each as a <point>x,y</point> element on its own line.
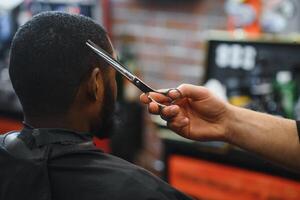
<point>197,115</point>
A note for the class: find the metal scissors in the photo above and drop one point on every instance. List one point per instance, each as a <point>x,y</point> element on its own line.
<point>131,77</point>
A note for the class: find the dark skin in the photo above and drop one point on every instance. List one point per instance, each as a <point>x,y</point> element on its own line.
<point>88,103</point>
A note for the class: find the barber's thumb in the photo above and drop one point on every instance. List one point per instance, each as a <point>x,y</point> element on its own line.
<point>193,91</point>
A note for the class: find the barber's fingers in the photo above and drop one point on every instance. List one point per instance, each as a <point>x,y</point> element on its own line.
<point>144,98</point>
<point>169,112</point>
<point>175,94</point>
<point>176,119</point>
<point>178,124</point>
<point>173,114</point>
<point>166,112</point>
<point>160,98</point>
<point>153,108</point>
<point>194,92</point>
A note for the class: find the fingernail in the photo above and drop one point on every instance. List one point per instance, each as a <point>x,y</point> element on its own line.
<point>175,94</point>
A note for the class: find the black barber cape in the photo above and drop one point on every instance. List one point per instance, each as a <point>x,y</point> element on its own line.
<point>45,164</point>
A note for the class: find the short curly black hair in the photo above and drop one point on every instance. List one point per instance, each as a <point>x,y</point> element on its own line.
<point>49,59</point>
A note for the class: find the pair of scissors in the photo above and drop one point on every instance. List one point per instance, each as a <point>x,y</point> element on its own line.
<point>130,76</point>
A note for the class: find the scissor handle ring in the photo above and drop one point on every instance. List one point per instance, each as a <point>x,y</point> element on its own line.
<point>166,93</point>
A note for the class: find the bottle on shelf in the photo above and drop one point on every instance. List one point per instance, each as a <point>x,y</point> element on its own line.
<point>286,90</point>
<point>237,92</point>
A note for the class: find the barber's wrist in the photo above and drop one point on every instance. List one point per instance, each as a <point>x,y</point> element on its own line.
<point>298,128</point>
<point>232,122</point>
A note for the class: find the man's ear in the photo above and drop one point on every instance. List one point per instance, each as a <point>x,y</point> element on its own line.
<point>95,84</point>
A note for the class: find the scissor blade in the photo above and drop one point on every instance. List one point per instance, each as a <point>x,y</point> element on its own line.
<point>120,68</point>
<point>115,64</point>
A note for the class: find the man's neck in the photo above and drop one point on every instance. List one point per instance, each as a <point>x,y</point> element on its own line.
<point>77,124</point>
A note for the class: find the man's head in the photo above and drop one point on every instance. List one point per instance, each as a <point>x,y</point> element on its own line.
<point>56,75</point>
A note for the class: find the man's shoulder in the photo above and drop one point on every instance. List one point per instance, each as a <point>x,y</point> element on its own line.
<point>100,162</point>
<point>115,176</point>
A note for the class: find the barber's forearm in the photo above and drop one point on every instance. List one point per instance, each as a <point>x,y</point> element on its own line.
<point>271,137</point>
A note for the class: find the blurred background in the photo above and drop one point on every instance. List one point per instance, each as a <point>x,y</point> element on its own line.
<point>246,51</point>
